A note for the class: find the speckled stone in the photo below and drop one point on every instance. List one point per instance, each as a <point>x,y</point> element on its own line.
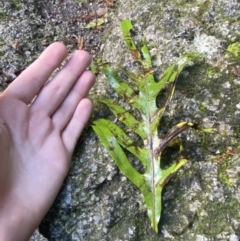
<point>202,201</point>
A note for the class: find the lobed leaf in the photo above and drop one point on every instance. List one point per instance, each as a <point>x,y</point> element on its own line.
<point>125,117</point>
<point>119,86</point>
<point>143,98</point>
<point>110,142</point>
<point>124,140</point>
<point>127,27</point>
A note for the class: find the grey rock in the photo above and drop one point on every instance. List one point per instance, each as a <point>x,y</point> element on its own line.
<point>202,201</point>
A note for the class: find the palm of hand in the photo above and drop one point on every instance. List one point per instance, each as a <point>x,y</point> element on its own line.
<point>36,153</point>
<point>37,140</point>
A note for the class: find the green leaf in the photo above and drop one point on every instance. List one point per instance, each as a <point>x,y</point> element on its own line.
<point>109,141</point>
<point>97,22</point>
<point>124,140</point>
<point>126,118</point>
<point>142,99</point>
<point>120,87</point>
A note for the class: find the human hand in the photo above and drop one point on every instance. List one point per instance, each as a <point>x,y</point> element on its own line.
<point>37,139</point>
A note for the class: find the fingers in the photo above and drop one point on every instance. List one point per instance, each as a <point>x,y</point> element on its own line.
<point>76,125</point>
<point>53,94</point>
<point>31,80</point>
<point>79,91</point>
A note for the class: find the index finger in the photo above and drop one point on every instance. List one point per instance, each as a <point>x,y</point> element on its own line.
<point>31,80</point>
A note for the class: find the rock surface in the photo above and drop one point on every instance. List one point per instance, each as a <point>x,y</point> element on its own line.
<point>202,201</point>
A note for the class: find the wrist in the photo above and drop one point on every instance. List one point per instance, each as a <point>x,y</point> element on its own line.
<point>15,221</point>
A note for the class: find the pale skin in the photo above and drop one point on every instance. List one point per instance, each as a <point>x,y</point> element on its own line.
<point>37,138</point>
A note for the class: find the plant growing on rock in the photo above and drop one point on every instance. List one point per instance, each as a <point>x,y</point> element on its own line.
<point>143,99</point>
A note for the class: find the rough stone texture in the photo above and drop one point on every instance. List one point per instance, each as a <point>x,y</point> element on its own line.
<point>202,201</point>
<point>37,237</point>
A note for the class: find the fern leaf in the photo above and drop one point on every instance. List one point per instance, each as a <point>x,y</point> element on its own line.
<point>153,179</point>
